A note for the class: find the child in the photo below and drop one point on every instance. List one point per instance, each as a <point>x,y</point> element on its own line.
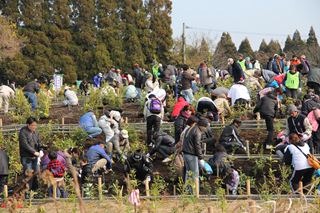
<point>86,176</point>
<point>58,170</point>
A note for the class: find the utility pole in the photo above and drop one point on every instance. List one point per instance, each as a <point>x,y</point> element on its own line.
<point>184,42</point>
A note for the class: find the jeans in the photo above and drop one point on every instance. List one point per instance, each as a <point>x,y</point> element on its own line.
<point>93,131</point>
<point>32,98</point>
<point>31,163</point>
<point>153,125</point>
<point>191,165</point>
<point>188,95</point>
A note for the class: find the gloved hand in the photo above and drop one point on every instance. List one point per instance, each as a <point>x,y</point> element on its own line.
<point>299,90</point>
<point>305,137</point>
<point>201,162</point>
<point>148,155</point>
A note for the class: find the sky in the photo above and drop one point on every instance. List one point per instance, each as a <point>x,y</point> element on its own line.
<point>254,19</point>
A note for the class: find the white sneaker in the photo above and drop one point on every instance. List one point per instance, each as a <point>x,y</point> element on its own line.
<point>166,160</point>
<point>269,146</point>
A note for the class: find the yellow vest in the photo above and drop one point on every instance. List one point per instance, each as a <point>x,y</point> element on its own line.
<point>292,81</point>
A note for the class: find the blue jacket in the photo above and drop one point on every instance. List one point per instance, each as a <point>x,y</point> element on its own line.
<point>275,68</point>
<point>97,81</point>
<point>95,153</point>
<point>88,120</point>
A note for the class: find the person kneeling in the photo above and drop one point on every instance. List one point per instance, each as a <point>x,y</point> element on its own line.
<point>164,144</point>
<point>98,158</point>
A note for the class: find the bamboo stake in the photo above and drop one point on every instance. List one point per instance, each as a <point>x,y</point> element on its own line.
<point>248,185</point>
<point>54,189</point>
<point>197,188</point>
<point>210,209</point>
<point>5,191</point>
<point>100,188</point>
<point>146,183</point>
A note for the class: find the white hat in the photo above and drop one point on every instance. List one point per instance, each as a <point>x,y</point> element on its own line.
<point>124,134</point>
<point>100,74</point>
<point>67,87</point>
<point>115,115</point>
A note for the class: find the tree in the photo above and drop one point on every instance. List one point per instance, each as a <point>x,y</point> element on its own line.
<point>274,47</point>
<point>225,49</point>
<point>313,49</point>
<point>288,46</point>
<point>245,48</point>
<point>263,46</point>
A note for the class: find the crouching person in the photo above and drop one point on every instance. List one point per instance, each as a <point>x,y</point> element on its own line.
<point>71,97</point>
<point>119,144</point>
<point>57,169</point>
<point>89,123</point>
<point>164,144</point>
<point>98,158</point>
<point>139,163</point>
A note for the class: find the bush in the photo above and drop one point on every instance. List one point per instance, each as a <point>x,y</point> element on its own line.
<point>44,102</point>
<point>22,107</point>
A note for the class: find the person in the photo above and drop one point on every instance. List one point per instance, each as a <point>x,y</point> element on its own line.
<point>169,77</point>
<point>86,179</point>
<point>248,63</point>
<point>139,163</point>
<point>29,148</point>
<point>118,141</point>
<point>150,85</point>
<point>314,80</point>
<point>268,106</point>
<point>298,124</point>
<point>138,77</point>
<point>266,75</point>
<point>308,104</point>
<point>236,70</point>
<point>153,113</point>
<point>295,156</point>
<point>294,60</point>
<point>4,169</point>
<point>45,160</point>
<point>131,93</point>
<point>89,123</point>
<point>84,87</point>
<point>71,97</point>
<point>222,106</point>
<point>5,94</point>
<point>277,64</point>
<point>230,138</point>
<point>57,169</point>
<point>219,91</point>
<point>181,122</point>
<point>192,150</point>
<point>241,61</point>
<point>239,94</point>
<point>97,80</point>
<point>164,144</point>
<point>293,82</point>
<point>205,104</point>
<point>222,167</point>
<point>186,83</point>
<point>30,91</point>
<point>206,75</point>
<point>114,77</point>
<point>98,158</point>
<point>178,106</point>
<point>306,65</point>
<point>106,123</point>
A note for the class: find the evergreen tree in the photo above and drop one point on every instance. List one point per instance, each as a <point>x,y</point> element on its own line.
<point>160,25</point>
<point>313,50</point>
<point>245,48</point>
<point>288,45</point>
<point>274,47</point>
<point>204,50</point>
<point>225,49</point>
<point>263,46</point>
<point>312,39</point>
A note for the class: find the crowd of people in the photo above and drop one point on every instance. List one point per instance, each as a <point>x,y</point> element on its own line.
<point>257,89</point>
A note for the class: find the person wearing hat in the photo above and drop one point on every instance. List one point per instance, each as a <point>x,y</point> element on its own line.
<point>205,104</point>
<point>71,97</point>
<point>97,80</point>
<point>163,144</point>
<point>192,150</point>
<point>299,124</point>
<point>140,164</point>
<point>231,139</point>
<point>118,141</point>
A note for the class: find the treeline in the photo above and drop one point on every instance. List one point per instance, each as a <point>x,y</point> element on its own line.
<point>83,37</point>
<point>217,56</point>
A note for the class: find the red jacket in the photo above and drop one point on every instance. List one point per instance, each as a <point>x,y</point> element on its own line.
<point>178,107</point>
<point>279,78</point>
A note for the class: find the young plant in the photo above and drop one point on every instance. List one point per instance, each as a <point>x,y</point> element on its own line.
<point>44,102</point>
<point>22,108</point>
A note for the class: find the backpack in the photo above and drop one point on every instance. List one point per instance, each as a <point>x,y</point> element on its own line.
<point>316,113</point>
<point>155,106</point>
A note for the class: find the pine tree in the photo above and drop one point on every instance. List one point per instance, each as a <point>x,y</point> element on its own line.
<point>313,50</point>
<point>312,39</point>
<point>225,49</point>
<point>274,47</point>
<point>204,50</point>
<point>264,46</point>
<point>288,45</point>
<point>160,25</point>
<point>245,48</point>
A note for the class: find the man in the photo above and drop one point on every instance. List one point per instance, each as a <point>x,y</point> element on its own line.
<point>242,62</point>
<point>314,80</point>
<point>98,158</point>
<point>192,151</point>
<point>30,91</point>
<point>89,123</point>
<point>138,79</point>
<point>308,104</point>
<point>218,92</point>
<point>131,93</point>
<point>139,163</point>
<point>71,97</point>
<point>4,169</point>
<point>206,104</point>
<point>239,94</point>
<point>236,70</point>
<point>268,106</point>
<point>164,144</point>
<point>5,94</point>
<point>97,80</point>
<point>206,77</point>
<point>186,83</point>
<point>298,124</point>
<point>29,146</point>
<point>266,75</point>
<point>230,138</point>
<point>153,113</point>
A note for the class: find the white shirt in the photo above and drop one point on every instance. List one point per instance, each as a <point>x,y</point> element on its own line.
<point>238,91</point>
<point>6,91</point>
<point>299,161</point>
<point>71,96</point>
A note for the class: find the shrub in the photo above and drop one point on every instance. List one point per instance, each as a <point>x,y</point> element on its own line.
<point>22,108</point>
<point>44,102</point>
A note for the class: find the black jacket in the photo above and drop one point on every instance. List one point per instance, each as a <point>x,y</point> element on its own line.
<point>237,72</point>
<point>230,136</point>
<point>179,125</point>
<point>267,105</point>
<point>86,174</point>
<point>164,139</point>
<point>137,74</point>
<point>4,163</point>
<point>142,166</point>
<point>314,75</point>
<point>308,105</point>
<point>192,142</point>
<point>220,163</point>
<point>29,142</point>
<point>32,87</point>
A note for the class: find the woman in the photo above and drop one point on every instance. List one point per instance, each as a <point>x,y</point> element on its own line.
<point>295,155</point>
<point>293,82</point>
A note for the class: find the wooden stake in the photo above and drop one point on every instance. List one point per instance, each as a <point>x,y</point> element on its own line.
<point>100,188</point>
<point>248,185</point>
<point>54,189</point>
<point>0,122</point>
<point>5,191</point>
<point>300,189</point>
<point>197,188</point>
<point>248,148</point>
<point>126,120</point>
<point>146,184</point>
<point>62,120</point>
<point>174,190</point>
<point>210,209</point>
<point>252,206</point>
